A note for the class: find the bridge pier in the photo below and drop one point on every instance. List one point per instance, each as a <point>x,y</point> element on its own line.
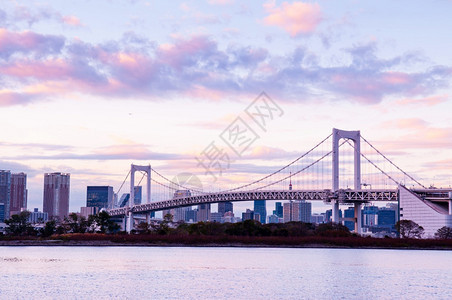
<point>129,223</point>
<point>335,211</point>
<point>148,217</point>
<point>358,225</point>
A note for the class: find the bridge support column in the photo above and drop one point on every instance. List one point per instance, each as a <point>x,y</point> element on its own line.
<point>335,211</point>
<point>355,136</point>
<point>124,223</point>
<point>129,225</point>
<point>358,218</point>
<point>148,217</point>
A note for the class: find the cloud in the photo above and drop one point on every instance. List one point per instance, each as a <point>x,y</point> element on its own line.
<point>269,153</point>
<point>28,43</point>
<point>417,134</point>
<point>36,67</point>
<point>71,20</point>
<point>296,18</point>
<point>130,151</point>
<point>426,101</point>
<point>30,16</point>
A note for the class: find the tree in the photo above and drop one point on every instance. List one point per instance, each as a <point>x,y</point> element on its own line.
<point>144,228</point>
<point>76,223</point>
<point>49,228</point>
<point>409,229</point>
<point>104,223</point>
<point>444,233</point>
<point>332,229</point>
<point>19,225</point>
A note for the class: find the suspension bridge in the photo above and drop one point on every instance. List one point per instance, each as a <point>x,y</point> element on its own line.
<point>343,168</point>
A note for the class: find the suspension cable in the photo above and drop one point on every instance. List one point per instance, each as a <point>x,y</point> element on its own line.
<point>281,169</point>
<point>127,176</point>
<point>406,174</point>
<point>299,171</point>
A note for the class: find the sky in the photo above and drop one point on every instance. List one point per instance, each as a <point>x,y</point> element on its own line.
<point>89,87</point>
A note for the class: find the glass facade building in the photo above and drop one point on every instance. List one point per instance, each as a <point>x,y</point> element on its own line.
<point>5,194</point>
<point>99,196</point>
<point>260,208</point>
<point>224,207</point>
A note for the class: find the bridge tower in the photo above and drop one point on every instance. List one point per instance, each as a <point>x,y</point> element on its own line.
<point>356,138</point>
<point>133,169</point>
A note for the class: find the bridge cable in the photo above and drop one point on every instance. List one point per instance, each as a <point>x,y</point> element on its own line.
<point>406,174</point>
<point>252,183</point>
<point>299,171</point>
<point>127,176</point>
<point>281,169</point>
<point>377,167</point>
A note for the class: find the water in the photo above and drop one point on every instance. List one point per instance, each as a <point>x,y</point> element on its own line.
<point>222,273</point>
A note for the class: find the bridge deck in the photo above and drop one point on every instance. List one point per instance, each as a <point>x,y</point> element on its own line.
<point>343,196</point>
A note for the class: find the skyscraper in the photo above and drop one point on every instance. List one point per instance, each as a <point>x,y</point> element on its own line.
<point>18,193</point>
<point>278,210</point>
<point>224,207</point>
<point>298,211</point>
<point>261,209</point>
<point>5,194</point>
<point>203,212</point>
<point>56,194</point>
<point>99,196</point>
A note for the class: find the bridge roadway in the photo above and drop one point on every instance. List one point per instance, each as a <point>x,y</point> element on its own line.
<point>342,196</point>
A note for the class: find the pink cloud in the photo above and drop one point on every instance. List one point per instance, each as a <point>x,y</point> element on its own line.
<point>428,101</point>
<point>48,69</point>
<point>71,20</point>
<point>28,42</point>
<point>396,78</point>
<point>296,18</point>
<point>407,123</point>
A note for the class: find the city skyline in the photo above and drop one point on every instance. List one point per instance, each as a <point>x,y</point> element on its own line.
<point>155,83</point>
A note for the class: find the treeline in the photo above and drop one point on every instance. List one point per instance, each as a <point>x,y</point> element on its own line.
<point>249,228</point>
<point>18,225</point>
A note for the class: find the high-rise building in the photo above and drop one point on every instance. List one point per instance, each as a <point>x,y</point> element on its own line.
<point>329,215</point>
<point>298,211</point>
<point>273,219</point>
<point>349,213</point>
<point>124,200</point>
<point>215,217</point>
<point>203,212</point>
<point>99,196</point>
<point>56,194</point>
<point>369,216</point>
<point>278,210</point>
<point>191,215</point>
<point>386,217</point>
<point>260,208</point>
<point>248,215</point>
<point>318,218</point>
<point>224,207</point>
<point>5,194</point>
<point>18,200</point>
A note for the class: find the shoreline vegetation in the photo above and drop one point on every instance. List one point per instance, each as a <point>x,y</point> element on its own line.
<point>153,240</point>
<point>100,230</point>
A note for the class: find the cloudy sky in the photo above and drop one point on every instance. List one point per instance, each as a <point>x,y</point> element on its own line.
<point>89,87</point>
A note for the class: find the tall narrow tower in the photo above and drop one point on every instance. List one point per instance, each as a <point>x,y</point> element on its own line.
<point>18,193</point>
<point>56,194</point>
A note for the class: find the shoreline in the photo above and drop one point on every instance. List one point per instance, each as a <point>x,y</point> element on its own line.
<point>109,243</point>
